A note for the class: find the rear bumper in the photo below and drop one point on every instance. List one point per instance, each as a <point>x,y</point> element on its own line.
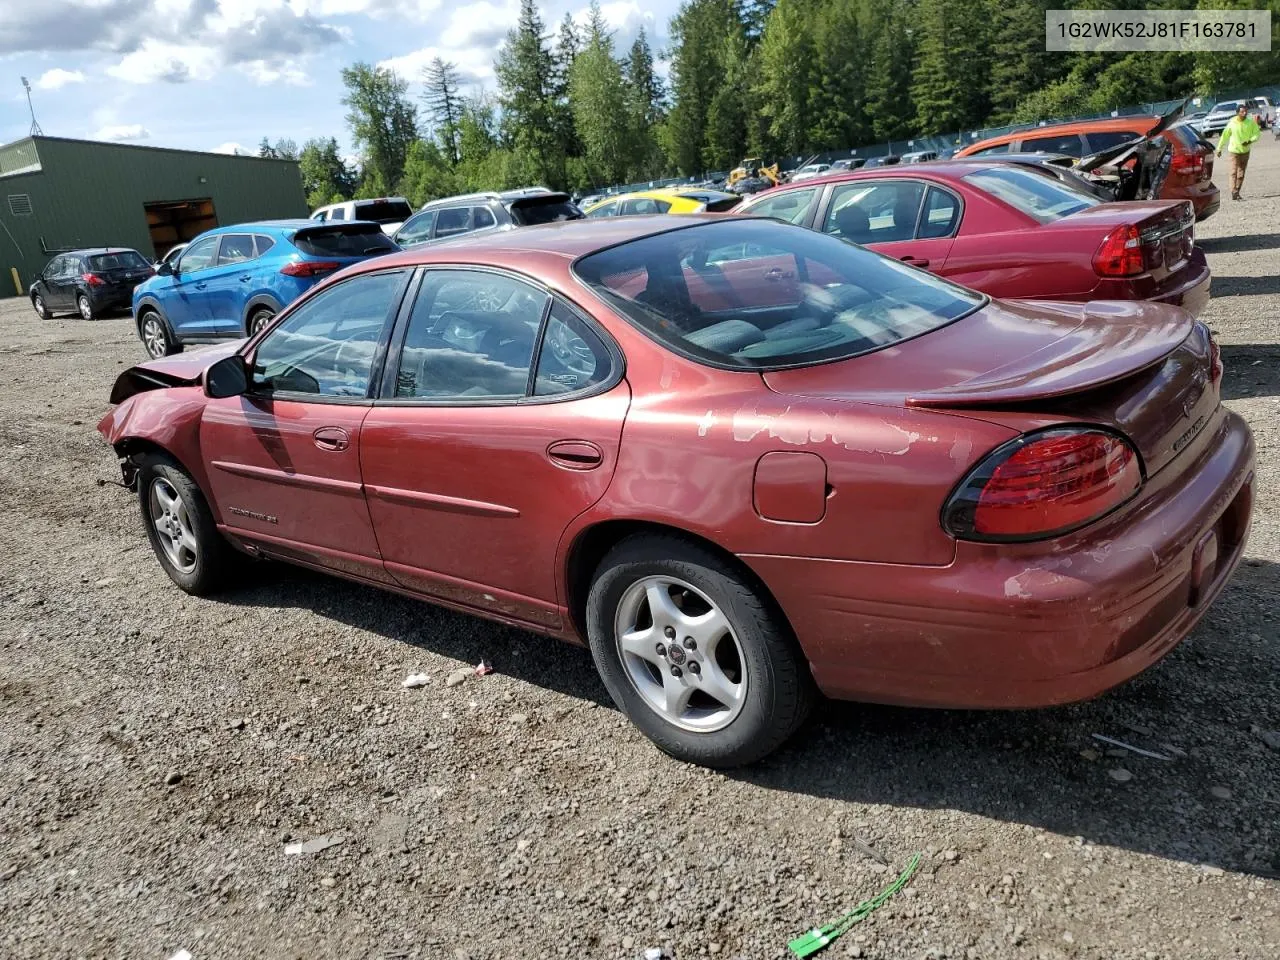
<point>1033,624</point>
<point>1207,202</point>
<point>111,298</point>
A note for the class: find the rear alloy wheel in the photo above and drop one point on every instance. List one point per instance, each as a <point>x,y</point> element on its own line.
<point>41,308</point>
<point>155,336</point>
<point>85,307</point>
<point>180,526</point>
<point>694,656</point>
<point>259,320</point>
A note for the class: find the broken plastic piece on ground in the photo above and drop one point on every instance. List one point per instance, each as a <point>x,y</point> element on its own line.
<point>819,938</point>
<point>313,846</point>
<point>415,680</point>
<point>867,850</point>
<point>483,667</point>
<point>182,955</point>
<point>457,677</point>
<point>1131,748</point>
<point>656,953</point>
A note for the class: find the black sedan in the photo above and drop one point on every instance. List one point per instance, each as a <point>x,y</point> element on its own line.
<point>89,282</point>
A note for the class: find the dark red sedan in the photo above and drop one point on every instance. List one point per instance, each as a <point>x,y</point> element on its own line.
<point>743,461</point>
<point>1007,230</point>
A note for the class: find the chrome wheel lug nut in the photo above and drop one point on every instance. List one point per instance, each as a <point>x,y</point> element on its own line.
<point>694,668</point>
<point>676,671</point>
<point>690,643</point>
<point>669,632</point>
<point>662,649</point>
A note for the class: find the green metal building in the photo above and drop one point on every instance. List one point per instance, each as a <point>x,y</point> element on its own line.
<point>58,194</point>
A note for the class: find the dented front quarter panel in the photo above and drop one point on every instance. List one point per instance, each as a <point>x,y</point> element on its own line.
<point>169,419</point>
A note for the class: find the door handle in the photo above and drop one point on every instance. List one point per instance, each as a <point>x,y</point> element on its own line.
<point>246,278</point>
<point>777,273</point>
<point>575,454</point>
<point>333,439</point>
<point>201,285</point>
<point>914,261</point>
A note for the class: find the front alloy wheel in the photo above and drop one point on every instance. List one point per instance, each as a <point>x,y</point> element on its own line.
<point>41,308</point>
<point>172,524</point>
<point>180,526</point>
<point>85,307</point>
<point>155,336</point>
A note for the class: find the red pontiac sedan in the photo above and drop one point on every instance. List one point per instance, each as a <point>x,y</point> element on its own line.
<point>1007,230</point>
<point>743,461</point>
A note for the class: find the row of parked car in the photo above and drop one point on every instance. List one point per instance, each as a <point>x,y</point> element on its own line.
<point>1104,209</point>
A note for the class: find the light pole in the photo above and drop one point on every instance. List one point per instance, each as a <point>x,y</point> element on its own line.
<point>35,124</point>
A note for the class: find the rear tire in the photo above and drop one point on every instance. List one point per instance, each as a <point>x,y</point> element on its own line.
<point>85,307</point>
<point>155,336</point>
<point>180,526</point>
<point>41,308</point>
<point>711,674</point>
<point>259,319</point>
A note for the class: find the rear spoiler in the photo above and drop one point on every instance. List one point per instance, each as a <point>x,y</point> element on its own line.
<point>1121,151</point>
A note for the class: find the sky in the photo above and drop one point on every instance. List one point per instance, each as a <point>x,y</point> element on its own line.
<point>221,74</point>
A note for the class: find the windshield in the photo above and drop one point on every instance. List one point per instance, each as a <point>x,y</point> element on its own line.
<point>763,294</point>
<point>1037,196</point>
<point>1227,106</point>
<point>384,211</point>
<point>123,260</point>
<point>546,209</point>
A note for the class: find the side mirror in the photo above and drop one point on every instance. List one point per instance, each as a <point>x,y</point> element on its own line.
<point>164,269</point>
<point>229,377</point>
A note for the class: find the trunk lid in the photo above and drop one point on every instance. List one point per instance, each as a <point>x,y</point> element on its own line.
<point>1166,230</point>
<point>1138,367</point>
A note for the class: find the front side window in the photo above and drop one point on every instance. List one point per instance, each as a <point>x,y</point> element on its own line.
<point>875,211</point>
<point>470,337</point>
<point>604,210</point>
<point>1106,139</point>
<point>642,206</point>
<point>791,206</point>
<point>53,269</point>
<point>850,301</point>
<point>326,346</point>
<point>236,248</point>
<point>198,256</point>
<point>1039,197</point>
<point>417,229</point>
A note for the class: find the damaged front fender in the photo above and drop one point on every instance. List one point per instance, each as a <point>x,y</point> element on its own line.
<point>167,420</point>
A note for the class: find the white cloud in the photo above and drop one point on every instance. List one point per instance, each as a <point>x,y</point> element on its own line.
<point>157,61</point>
<point>470,40</point>
<point>123,131</point>
<point>57,77</point>
<point>233,148</point>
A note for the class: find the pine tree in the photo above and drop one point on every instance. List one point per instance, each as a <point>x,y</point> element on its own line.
<point>949,84</point>
<point>888,85</point>
<point>1019,64</point>
<point>784,70</point>
<point>526,75</point>
<point>598,97</point>
<point>708,44</point>
<point>567,47</point>
<point>837,98</point>
<point>643,109</point>
<point>444,104</point>
<point>726,135</point>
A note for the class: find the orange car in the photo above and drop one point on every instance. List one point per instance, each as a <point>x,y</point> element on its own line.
<point>1190,174</point>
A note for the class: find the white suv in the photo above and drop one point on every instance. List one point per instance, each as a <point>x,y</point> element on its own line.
<point>388,212</point>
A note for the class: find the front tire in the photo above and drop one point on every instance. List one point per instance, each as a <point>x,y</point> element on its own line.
<point>85,307</point>
<point>41,308</point>
<point>693,654</point>
<point>259,319</point>
<point>155,336</point>
<point>180,526</point>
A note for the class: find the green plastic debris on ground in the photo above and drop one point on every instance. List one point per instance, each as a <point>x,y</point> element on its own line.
<point>819,938</point>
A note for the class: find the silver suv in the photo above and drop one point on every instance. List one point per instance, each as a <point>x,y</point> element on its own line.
<point>473,212</point>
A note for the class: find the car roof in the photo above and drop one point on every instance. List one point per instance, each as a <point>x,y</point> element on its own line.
<point>1142,122</point>
<point>502,196</point>
<point>89,251</point>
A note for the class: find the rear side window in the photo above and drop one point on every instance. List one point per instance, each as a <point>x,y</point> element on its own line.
<point>572,357</point>
<point>338,213</point>
<point>264,243</point>
<point>604,210</point>
<point>989,151</point>
<point>482,217</point>
<point>123,260</point>
<point>1038,196</point>
<point>383,211</point>
<point>349,240</point>
<point>546,209</point>
<point>941,215</point>
<point>1106,139</point>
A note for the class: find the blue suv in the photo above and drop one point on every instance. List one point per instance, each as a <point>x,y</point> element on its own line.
<point>229,282</point>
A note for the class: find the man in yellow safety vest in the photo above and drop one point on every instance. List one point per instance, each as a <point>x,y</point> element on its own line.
<point>1236,139</point>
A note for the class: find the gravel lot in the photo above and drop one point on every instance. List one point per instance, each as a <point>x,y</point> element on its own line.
<point>159,752</point>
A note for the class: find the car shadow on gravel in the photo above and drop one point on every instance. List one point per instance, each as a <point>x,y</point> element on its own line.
<point>563,667</point>
<point>1043,768</point>
<point>1250,370</point>
<point>1239,244</point>
<point>1264,285</point>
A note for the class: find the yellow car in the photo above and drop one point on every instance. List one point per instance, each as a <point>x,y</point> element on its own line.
<point>664,200</point>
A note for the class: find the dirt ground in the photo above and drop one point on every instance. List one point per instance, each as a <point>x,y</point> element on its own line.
<point>158,752</point>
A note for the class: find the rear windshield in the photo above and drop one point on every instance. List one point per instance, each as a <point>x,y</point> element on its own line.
<point>124,260</point>
<point>724,203</point>
<point>343,240</point>
<point>1188,136</point>
<point>384,211</point>
<point>1039,197</point>
<point>765,294</point>
<point>548,209</point>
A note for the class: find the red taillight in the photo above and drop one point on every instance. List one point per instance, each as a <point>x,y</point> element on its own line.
<point>92,279</point>
<point>1192,164</point>
<point>308,268</point>
<point>1215,362</point>
<point>1120,254</point>
<point>1044,484</point>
